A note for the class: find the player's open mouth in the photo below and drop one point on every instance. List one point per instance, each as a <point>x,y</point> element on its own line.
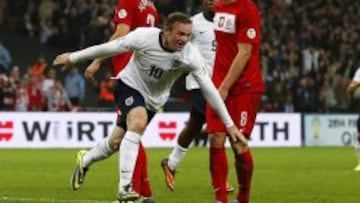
<point>181,44</point>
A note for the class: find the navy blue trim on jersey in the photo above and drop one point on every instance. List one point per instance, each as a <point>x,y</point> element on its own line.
<point>162,45</point>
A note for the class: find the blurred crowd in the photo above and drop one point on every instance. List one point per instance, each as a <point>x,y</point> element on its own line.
<point>39,89</point>
<point>310,50</point>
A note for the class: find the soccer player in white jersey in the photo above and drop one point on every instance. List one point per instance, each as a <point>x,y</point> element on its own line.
<point>355,86</point>
<point>203,37</point>
<point>143,87</point>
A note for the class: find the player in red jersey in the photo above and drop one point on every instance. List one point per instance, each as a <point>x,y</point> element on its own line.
<point>129,15</point>
<point>238,77</point>
<point>203,37</point>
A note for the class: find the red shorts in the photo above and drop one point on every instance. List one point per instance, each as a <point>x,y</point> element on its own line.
<point>242,109</point>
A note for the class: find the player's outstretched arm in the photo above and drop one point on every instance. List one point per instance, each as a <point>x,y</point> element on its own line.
<point>64,60</point>
<point>104,50</point>
<point>352,86</point>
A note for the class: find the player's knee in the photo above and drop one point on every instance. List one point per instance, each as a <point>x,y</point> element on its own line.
<point>137,125</point>
<point>114,145</point>
<point>238,148</point>
<point>217,140</point>
<point>114,142</point>
<point>115,139</point>
<point>137,120</point>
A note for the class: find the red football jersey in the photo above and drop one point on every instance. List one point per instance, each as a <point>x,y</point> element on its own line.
<point>238,22</point>
<point>135,13</point>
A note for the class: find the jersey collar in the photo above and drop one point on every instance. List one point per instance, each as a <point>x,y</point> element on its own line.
<point>162,46</point>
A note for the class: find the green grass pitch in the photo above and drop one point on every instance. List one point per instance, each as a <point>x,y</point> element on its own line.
<point>282,175</point>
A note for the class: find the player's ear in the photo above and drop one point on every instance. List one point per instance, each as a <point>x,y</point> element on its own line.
<point>166,28</point>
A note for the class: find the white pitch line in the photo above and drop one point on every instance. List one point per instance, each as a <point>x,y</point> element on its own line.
<point>21,199</point>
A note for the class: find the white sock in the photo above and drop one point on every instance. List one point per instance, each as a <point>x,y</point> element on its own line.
<point>177,154</point>
<point>101,151</point>
<point>129,150</point>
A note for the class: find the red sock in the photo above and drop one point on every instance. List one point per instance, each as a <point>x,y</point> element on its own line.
<point>244,168</point>
<point>136,180</point>
<point>140,179</point>
<point>219,170</point>
<point>145,181</point>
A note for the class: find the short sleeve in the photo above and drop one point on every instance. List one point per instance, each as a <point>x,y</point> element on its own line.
<point>248,26</point>
<point>124,12</point>
<point>134,39</point>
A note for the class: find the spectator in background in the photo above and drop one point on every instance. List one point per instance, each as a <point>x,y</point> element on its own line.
<point>7,94</point>
<point>47,84</point>
<point>36,98</point>
<point>307,95</point>
<point>327,97</point>
<point>14,75</point>
<point>5,59</point>
<point>39,67</point>
<point>106,96</point>
<point>22,97</point>
<point>289,104</point>
<point>18,84</point>
<point>310,60</point>
<point>57,98</point>
<point>75,87</point>
<point>49,81</point>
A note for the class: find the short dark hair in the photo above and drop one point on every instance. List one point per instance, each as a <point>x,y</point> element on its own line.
<point>177,17</point>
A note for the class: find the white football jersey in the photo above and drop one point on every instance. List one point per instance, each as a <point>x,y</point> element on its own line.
<point>152,70</point>
<point>356,77</point>
<point>203,37</point>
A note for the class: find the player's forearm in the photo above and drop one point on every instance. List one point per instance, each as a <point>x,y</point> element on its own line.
<point>99,51</point>
<point>352,86</point>
<point>214,99</point>
<point>121,30</point>
<point>237,66</point>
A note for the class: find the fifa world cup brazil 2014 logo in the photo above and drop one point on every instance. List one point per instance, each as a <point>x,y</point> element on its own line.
<point>316,127</point>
